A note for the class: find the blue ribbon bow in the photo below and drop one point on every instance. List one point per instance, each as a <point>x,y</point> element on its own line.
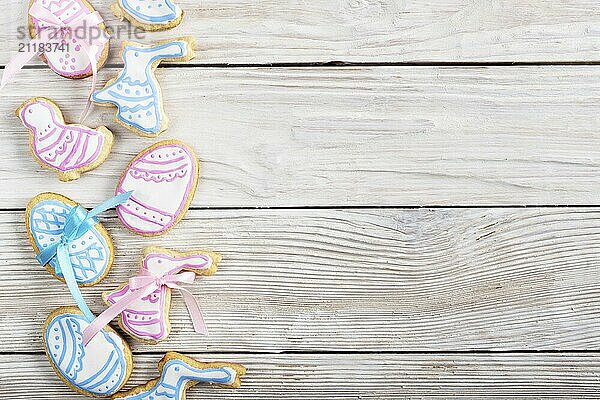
<point>78,222</point>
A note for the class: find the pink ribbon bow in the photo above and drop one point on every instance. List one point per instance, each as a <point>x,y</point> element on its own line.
<point>52,32</point>
<point>141,286</point>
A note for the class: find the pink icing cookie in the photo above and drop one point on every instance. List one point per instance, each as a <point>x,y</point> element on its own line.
<point>163,179</point>
<point>147,319</point>
<point>68,149</point>
<point>70,60</point>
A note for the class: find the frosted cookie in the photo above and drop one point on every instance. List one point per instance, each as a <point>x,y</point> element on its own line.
<point>68,149</point>
<point>147,318</point>
<point>179,373</point>
<point>91,255</point>
<point>70,59</point>
<point>100,368</point>
<point>151,15</point>
<point>163,178</point>
<point>136,92</point>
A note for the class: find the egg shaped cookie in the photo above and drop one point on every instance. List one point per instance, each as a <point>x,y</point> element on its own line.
<point>100,368</point>
<point>163,179</point>
<point>91,255</point>
<point>69,57</point>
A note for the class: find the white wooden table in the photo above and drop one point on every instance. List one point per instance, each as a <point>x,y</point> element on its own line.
<point>404,193</point>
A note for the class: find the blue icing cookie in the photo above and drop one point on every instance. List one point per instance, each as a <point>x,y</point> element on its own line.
<point>179,372</point>
<point>100,368</point>
<point>159,14</point>
<point>90,255</point>
<point>136,92</point>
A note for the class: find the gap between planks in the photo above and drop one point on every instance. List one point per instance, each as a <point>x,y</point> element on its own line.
<point>342,64</point>
<point>542,375</point>
<point>348,353</point>
<point>286,31</point>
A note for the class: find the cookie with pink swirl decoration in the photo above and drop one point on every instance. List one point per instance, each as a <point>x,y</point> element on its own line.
<point>147,319</point>
<point>69,58</point>
<point>163,179</point>
<point>68,149</point>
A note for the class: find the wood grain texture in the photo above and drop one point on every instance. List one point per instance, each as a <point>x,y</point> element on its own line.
<point>362,280</point>
<point>288,31</point>
<point>347,376</point>
<point>381,136</point>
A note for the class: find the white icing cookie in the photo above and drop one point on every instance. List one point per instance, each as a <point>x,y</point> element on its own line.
<point>91,255</point>
<point>163,179</point>
<point>136,92</point>
<point>99,369</point>
<point>68,149</point>
<point>147,319</point>
<point>69,59</point>
<point>151,15</point>
<point>179,372</point>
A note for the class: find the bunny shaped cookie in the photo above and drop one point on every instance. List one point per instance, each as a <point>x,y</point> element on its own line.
<point>147,318</point>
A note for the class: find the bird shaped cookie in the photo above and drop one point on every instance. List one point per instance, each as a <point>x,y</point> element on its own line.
<point>179,372</point>
<point>136,92</point>
<point>68,149</point>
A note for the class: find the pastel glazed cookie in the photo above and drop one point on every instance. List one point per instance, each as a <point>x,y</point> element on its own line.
<point>151,15</point>
<point>136,92</point>
<point>179,373</point>
<point>91,255</point>
<point>147,319</point>
<point>100,368</point>
<point>70,60</point>
<point>163,178</point>
<point>68,149</point>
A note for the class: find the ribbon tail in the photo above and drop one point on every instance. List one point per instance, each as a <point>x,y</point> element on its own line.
<point>64,261</point>
<point>195,311</point>
<point>19,61</point>
<point>88,106</point>
<point>111,312</point>
<point>94,19</point>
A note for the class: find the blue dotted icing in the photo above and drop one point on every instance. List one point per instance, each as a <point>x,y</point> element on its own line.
<point>89,254</point>
<point>136,92</point>
<point>151,12</point>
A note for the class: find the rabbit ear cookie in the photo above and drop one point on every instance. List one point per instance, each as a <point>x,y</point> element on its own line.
<point>100,368</point>
<point>147,318</point>
<point>136,92</point>
<point>179,372</point>
<point>68,149</point>
<point>151,15</point>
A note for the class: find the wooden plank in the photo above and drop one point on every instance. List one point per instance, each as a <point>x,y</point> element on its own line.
<point>362,280</point>
<point>285,31</point>
<point>347,376</point>
<point>387,136</point>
